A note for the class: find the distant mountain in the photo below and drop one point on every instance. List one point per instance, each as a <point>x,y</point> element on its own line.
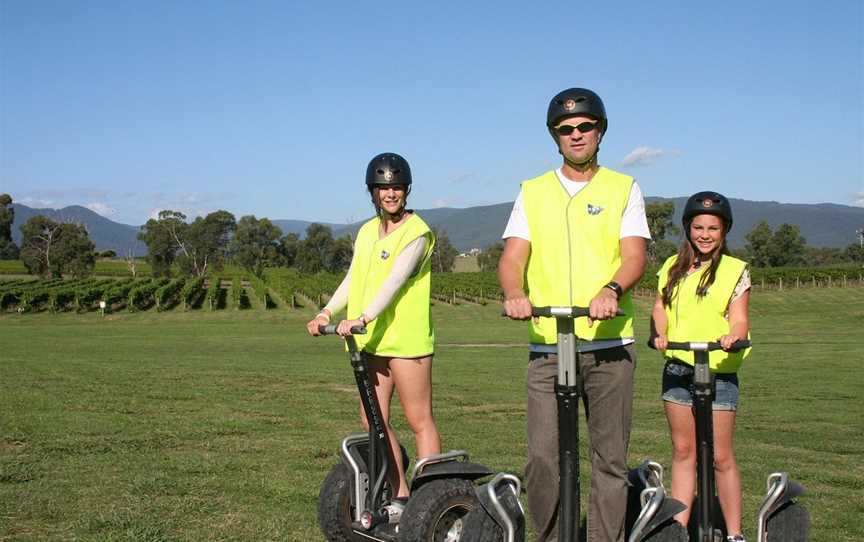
<point>105,234</point>
<point>823,224</point>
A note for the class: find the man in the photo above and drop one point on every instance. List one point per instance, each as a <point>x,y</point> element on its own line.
<point>577,235</point>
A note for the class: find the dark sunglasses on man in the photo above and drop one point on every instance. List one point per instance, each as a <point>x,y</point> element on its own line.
<point>583,127</point>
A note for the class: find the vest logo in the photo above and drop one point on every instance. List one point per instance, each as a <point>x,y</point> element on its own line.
<point>384,254</point>
<point>594,209</point>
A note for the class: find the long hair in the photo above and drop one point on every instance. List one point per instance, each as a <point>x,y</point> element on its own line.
<point>686,259</point>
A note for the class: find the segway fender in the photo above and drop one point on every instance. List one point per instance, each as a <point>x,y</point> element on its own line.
<point>500,499</point>
<point>450,469</point>
<point>667,511</point>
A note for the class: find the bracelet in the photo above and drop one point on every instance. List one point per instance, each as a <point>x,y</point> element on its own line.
<point>615,287</point>
<point>325,313</point>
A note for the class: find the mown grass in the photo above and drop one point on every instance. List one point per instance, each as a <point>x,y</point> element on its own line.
<point>220,426</point>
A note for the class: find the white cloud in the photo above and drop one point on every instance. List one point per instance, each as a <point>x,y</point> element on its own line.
<point>35,202</point>
<point>646,156</point>
<point>441,202</point>
<point>458,179</point>
<point>858,199</point>
<point>101,208</point>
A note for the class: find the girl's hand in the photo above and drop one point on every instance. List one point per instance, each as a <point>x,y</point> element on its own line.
<point>321,319</point>
<point>344,328</point>
<point>661,342</point>
<point>726,341</point>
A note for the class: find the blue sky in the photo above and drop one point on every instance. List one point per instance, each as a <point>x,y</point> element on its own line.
<point>275,108</point>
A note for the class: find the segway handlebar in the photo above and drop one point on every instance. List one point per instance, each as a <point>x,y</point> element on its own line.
<point>330,329</point>
<point>702,346</point>
<point>571,312</point>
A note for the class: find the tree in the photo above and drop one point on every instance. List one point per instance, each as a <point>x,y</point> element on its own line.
<point>288,247</point>
<point>488,259</point>
<point>855,253</point>
<point>256,244</point>
<point>204,242</point>
<point>444,253</point>
<point>758,245</point>
<point>787,246</point>
<point>8,248</point>
<point>160,236</point>
<point>53,248</point>
<point>313,252</point>
<point>339,254</point>
<point>660,223</point>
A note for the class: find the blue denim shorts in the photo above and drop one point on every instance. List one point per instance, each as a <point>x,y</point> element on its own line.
<point>678,386</point>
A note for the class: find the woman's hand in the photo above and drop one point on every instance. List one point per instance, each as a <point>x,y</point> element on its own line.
<point>321,319</point>
<point>726,341</point>
<point>344,328</point>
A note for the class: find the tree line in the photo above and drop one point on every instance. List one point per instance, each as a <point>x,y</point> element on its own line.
<point>189,248</point>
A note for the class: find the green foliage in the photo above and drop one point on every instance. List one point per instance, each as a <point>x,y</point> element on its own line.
<point>195,247</point>
<point>166,295</point>
<point>142,295</point>
<point>8,248</point>
<point>256,244</point>
<point>191,293</point>
<point>488,259</point>
<point>785,246</point>
<point>54,248</point>
<point>262,292</point>
<point>444,254</point>
<point>215,294</point>
<point>239,297</point>
<point>660,223</point>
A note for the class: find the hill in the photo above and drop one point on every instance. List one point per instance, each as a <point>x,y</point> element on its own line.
<point>823,224</point>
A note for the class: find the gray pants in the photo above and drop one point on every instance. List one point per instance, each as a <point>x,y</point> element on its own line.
<point>607,395</point>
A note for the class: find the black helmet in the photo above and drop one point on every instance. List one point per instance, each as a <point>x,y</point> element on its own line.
<point>388,168</point>
<point>706,203</point>
<point>576,101</point>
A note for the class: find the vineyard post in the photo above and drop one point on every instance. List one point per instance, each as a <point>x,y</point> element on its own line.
<point>763,283</point>
<point>844,280</point>
<point>830,281</point>
<point>780,285</point>
<point>102,308</point>
<point>814,281</point>
<point>797,281</point>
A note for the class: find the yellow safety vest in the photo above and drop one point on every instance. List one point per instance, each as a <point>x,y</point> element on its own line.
<point>702,319</point>
<point>575,250</point>
<point>404,329</point>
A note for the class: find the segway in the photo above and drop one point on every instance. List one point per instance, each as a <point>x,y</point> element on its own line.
<point>781,518</point>
<point>354,498</point>
<point>568,389</point>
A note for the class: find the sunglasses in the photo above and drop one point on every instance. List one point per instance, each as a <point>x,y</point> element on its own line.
<point>567,129</point>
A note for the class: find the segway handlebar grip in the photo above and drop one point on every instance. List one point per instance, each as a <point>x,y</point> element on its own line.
<point>330,329</point>
<point>572,312</point>
<point>702,346</point>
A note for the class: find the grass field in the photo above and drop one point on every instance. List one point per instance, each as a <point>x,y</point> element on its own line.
<point>220,426</point>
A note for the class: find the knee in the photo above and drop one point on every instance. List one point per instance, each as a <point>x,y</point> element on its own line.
<point>724,460</point>
<point>421,423</point>
<point>684,452</point>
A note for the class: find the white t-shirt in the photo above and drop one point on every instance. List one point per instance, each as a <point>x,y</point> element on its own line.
<point>634,223</point>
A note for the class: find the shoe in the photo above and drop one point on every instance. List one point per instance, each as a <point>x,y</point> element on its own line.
<point>395,508</point>
<point>736,538</point>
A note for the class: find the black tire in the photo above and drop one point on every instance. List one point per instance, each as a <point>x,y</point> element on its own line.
<point>436,511</point>
<point>669,532</point>
<point>334,506</point>
<point>791,523</point>
<point>479,526</point>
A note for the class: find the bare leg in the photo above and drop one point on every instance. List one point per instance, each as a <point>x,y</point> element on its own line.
<point>726,470</point>
<point>382,379</point>
<point>682,428</point>
<point>413,378</point>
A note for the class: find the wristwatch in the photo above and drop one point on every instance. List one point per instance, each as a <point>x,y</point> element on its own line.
<point>615,287</point>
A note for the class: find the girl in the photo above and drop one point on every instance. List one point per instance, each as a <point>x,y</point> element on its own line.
<point>387,289</point>
<point>703,296</point>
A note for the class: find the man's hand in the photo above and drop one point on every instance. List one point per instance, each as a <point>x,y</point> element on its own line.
<point>604,306</point>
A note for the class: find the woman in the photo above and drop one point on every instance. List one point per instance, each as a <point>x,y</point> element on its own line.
<point>703,296</point>
<point>387,290</point>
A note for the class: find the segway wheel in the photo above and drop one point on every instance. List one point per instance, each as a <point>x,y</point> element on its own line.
<point>669,532</point>
<point>480,526</point>
<point>436,512</point>
<point>791,523</point>
<point>334,506</point>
